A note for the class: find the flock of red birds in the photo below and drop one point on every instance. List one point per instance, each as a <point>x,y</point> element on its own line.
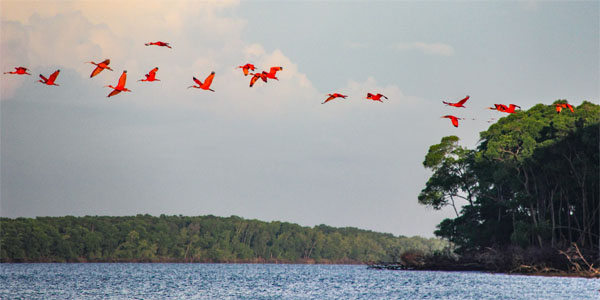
<point>510,109</point>
<point>264,76</point>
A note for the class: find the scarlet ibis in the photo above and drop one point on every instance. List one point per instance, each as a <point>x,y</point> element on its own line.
<point>50,80</point>
<point>453,119</point>
<point>272,72</point>
<point>151,76</point>
<point>19,71</point>
<point>560,106</point>
<point>100,66</point>
<point>375,97</point>
<point>256,76</point>
<point>263,76</point>
<point>510,109</point>
<point>459,103</point>
<point>206,84</point>
<point>159,43</point>
<point>499,107</point>
<point>247,67</point>
<point>333,96</point>
<point>120,86</point>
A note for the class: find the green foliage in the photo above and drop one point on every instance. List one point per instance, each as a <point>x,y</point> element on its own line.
<point>195,239</point>
<point>534,181</point>
<point>452,174</point>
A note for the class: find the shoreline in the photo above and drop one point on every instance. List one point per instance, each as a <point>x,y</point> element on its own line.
<point>547,272</point>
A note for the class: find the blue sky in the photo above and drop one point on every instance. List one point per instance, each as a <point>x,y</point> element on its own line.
<point>272,152</point>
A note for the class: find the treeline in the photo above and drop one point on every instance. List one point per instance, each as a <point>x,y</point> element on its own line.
<point>144,238</point>
<point>532,182</point>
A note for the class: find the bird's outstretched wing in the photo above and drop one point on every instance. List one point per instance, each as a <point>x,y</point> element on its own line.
<point>122,80</point>
<point>54,75</point>
<point>96,71</point>
<point>461,102</point>
<point>198,82</point>
<point>254,78</point>
<point>209,79</point>
<point>114,92</point>
<point>331,97</point>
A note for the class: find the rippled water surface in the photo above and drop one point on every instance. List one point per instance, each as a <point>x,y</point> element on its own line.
<point>255,281</point>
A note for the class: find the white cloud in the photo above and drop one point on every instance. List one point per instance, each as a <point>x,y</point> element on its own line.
<point>427,48</point>
<point>254,50</point>
<point>79,33</point>
<point>234,98</point>
<point>154,16</point>
<point>67,34</point>
<point>44,43</point>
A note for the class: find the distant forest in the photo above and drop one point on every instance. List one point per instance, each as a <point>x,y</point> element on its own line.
<point>528,194</point>
<point>144,238</point>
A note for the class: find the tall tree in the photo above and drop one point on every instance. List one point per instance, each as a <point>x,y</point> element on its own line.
<point>533,180</point>
<point>452,176</point>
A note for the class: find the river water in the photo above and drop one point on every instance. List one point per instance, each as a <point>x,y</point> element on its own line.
<point>271,281</point>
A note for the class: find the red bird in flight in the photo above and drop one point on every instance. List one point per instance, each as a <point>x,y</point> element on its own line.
<point>159,43</point>
<point>560,106</point>
<point>206,84</point>
<point>151,76</point>
<point>499,107</point>
<point>459,103</point>
<point>99,67</point>
<point>503,108</point>
<point>19,71</point>
<point>375,97</point>
<point>453,119</point>
<point>511,109</point>
<point>247,67</point>
<point>256,76</point>
<point>120,86</point>
<point>50,80</point>
<point>272,72</point>
<point>333,96</point>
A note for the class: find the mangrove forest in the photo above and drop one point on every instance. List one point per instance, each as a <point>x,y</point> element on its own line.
<point>527,197</point>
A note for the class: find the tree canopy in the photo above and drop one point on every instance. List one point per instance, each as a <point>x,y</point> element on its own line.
<point>195,239</point>
<point>533,180</point>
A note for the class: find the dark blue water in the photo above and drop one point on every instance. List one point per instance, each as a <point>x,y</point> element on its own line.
<point>255,281</point>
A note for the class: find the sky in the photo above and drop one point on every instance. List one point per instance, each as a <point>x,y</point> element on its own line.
<point>273,151</point>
